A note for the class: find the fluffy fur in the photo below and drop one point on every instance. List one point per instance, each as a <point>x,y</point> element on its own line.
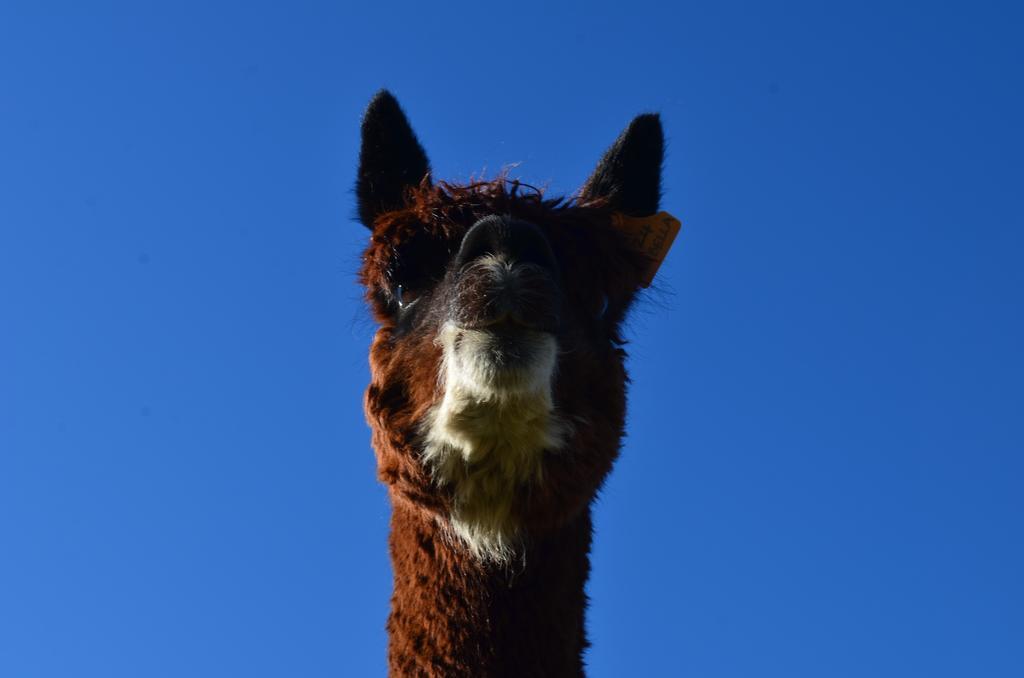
<point>487,436</point>
<point>497,400</point>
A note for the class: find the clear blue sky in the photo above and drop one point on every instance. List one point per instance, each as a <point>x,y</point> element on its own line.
<point>825,461</point>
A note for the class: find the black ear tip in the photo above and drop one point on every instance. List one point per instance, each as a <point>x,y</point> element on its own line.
<point>383,94</point>
<point>381,102</point>
<point>390,158</point>
<point>649,123</point>
<point>629,174</point>
<point>383,110</point>
<point>645,131</point>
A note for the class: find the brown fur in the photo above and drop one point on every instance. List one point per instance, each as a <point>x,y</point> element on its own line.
<point>453,614</point>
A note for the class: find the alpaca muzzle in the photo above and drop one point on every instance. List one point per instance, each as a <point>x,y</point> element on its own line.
<point>505,279</point>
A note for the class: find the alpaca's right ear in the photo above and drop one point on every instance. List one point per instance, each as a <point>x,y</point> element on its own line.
<point>390,159</point>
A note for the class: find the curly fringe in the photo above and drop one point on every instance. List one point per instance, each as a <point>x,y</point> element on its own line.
<point>453,203</point>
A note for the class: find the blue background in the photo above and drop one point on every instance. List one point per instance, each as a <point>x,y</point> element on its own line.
<point>824,465</point>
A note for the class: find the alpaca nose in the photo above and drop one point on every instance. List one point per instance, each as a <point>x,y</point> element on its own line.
<point>520,284</point>
<point>519,242</point>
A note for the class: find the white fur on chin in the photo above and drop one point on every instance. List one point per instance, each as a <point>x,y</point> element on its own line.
<point>487,436</point>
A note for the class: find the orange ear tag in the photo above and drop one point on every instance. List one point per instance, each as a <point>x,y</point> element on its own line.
<point>651,236</point>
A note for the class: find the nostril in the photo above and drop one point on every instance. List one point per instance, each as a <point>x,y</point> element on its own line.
<point>482,238</point>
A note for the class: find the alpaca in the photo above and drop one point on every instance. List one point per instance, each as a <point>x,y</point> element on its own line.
<point>498,393</point>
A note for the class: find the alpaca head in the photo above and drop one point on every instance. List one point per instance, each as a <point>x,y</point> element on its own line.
<point>497,397</point>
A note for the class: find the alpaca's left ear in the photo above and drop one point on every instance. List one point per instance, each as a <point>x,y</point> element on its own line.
<point>629,174</point>
<point>390,158</point>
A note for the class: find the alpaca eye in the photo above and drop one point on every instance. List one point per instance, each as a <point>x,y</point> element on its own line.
<point>405,296</point>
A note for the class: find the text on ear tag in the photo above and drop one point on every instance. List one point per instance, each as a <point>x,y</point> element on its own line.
<point>652,236</point>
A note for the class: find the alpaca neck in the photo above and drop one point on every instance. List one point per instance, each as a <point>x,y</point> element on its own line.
<point>455,615</point>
